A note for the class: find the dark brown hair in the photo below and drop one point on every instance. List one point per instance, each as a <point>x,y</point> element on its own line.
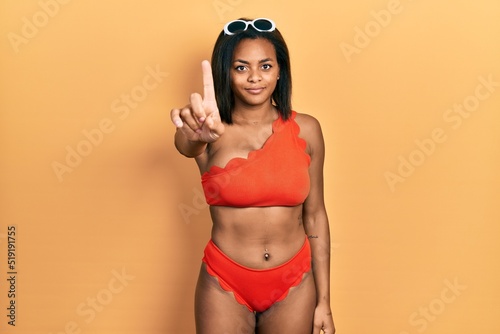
<point>222,58</point>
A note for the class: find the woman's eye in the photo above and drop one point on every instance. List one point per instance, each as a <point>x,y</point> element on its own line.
<point>266,66</point>
<point>240,68</point>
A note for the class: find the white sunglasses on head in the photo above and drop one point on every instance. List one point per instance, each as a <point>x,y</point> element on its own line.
<point>260,24</point>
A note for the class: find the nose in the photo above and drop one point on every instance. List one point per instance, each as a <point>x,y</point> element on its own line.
<point>254,76</point>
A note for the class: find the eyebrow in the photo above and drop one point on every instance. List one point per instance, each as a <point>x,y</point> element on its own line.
<point>247,62</point>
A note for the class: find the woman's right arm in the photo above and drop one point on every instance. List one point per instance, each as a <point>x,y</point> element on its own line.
<point>186,147</point>
<point>199,122</point>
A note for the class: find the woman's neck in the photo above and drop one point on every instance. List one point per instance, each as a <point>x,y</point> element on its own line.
<point>244,115</point>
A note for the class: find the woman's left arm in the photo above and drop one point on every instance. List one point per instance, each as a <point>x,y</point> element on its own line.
<point>316,223</point>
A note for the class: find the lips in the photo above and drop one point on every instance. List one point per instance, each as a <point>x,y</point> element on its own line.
<point>255,90</point>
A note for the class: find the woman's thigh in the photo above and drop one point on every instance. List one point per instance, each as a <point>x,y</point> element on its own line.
<point>294,314</point>
<point>216,310</point>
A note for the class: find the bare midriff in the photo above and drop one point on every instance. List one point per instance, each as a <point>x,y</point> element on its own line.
<point>246,234</point>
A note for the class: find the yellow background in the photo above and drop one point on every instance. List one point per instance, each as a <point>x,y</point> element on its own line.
<point>131,208</point>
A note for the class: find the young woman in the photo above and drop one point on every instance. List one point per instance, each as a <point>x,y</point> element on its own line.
<point>266,268</point>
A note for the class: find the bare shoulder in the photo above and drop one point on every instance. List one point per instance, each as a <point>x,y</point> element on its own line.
<point>307,122</point>
<point>310,127</point>
<point>310,131</point>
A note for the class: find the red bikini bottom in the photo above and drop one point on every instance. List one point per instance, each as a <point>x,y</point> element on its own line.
<point>257,289</point>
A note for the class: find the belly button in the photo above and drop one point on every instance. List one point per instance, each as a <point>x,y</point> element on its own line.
<point>266,256</point>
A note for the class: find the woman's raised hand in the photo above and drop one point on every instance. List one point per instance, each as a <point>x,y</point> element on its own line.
<point>200,120</point>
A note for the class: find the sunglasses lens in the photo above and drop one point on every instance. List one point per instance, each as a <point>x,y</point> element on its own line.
<point>236,26</point>
<point>264,25</point>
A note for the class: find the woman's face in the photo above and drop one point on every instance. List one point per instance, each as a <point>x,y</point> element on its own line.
<point>254,72</point>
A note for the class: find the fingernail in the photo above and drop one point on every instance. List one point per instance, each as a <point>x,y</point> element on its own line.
<point>198,130</point>
<point>178,124</point>
<point>201,119</point>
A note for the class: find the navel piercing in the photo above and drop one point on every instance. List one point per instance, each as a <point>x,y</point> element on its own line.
<point>266,255</point>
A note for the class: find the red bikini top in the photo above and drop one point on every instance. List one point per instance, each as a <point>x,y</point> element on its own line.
<point>275,175</point>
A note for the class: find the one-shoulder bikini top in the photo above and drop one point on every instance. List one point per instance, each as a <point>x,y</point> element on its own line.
<point>275,175</point>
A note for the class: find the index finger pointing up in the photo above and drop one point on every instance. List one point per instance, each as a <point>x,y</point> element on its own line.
<point>208,82</point>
